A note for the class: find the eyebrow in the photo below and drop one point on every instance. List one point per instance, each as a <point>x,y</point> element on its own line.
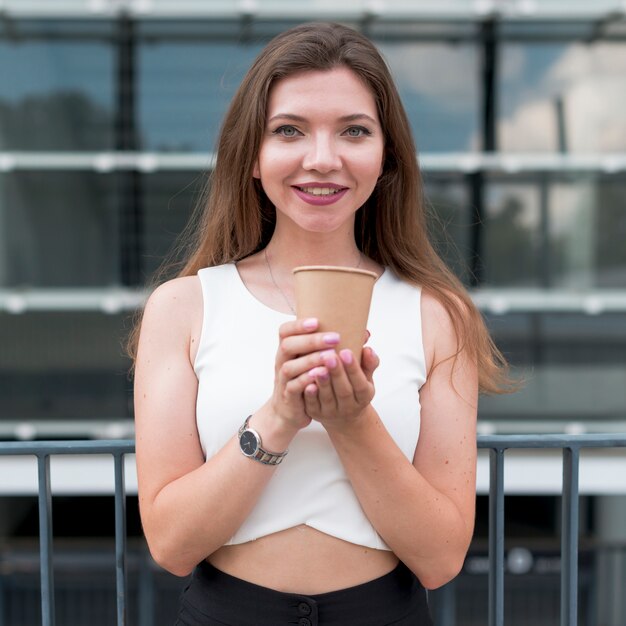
<point>353,117</point>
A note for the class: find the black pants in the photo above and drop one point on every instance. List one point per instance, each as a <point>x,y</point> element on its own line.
<point>214,598</point>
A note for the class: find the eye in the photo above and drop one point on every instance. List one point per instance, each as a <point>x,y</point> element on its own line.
<point>357,131</point>
<point>287,131</point>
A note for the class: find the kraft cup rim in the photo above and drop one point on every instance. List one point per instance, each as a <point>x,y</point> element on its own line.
<point>335,268</point>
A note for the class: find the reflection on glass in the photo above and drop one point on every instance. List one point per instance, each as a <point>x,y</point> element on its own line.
<point>449,222</point>
<point>562,96</point>
<point>610,221</point>
<point>58,229</point>
<point>572,233</point>
<point>588,233</point>
<point>64,365</point>
<point>438,84</point>
<point>574,366</point>
<point>184,90</point>
<point>56,94</point>
<point>511,252</point>
<point>170,198</point>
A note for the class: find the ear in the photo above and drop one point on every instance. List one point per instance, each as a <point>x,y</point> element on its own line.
<point>256,172</point>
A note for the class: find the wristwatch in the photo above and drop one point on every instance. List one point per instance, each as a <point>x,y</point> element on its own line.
<point>251,446</point>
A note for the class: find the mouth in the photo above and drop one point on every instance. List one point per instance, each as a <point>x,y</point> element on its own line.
<point>320,194</point>
<point>320,191</point>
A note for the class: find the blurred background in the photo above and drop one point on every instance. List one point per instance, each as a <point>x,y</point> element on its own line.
<point>109,113</point>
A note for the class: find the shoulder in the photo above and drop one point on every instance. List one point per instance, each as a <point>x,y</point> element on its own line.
<point>174,308</point>
<point>434,311</point>
<point>440,327</point>
<point>175,297</point>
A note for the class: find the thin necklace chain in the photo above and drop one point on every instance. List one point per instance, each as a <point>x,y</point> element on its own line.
<point>282,293</point>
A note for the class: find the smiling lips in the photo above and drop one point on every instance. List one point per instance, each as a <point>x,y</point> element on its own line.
<point>319,193</point>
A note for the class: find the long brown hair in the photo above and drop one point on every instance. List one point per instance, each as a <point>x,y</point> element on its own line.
<point>236,219</point>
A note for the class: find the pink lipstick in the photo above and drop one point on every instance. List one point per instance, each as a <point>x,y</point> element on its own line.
<point>319,194</point>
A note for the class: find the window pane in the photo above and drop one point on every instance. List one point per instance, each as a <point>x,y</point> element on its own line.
<point>574,366</point>
<point>582,85</point>
<point>170,198</point>
<point>566,231</point>
<point>58,229</point>
<point>449,221</point>
<point>58,91</point>
<point>184,90</point>
<point>438,84</point>
<point>63,366</point>
<point>588,232</point>
<point>511,235</point>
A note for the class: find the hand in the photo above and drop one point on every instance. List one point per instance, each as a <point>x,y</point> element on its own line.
<point>342,388</point>
<point>300,351</point>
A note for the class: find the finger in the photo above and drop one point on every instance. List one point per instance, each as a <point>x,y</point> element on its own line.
<point>311,401</point>
<point>296,386</point>
<point>300,365</point>
<point>366,336</point>
<point>361,386</point>
<point>369,362</point>
<point>296,345</point>
<point>325,393</point>
<point>297,327</point>
<point>341,386</point>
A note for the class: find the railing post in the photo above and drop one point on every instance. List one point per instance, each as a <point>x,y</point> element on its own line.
<point>45,540</point>
<point>569,538</point>
<point>146,590</point>
<point>120,538</point>
<point>496,537</point>
<point>2,593</point>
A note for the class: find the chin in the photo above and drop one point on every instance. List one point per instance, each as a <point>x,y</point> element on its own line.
<point>323,223</point>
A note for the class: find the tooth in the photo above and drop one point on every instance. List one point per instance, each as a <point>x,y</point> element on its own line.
<point>320,191</point>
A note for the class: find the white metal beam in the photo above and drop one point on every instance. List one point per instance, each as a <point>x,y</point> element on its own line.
<point>351,10</point>
<point>455,162</point>
<point>114,300</point>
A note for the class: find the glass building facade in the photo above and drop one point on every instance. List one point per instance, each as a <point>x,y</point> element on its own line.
<point>109,114</point>
<point>108,122</point>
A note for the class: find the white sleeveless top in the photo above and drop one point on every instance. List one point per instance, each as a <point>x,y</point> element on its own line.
<point>235,369</point>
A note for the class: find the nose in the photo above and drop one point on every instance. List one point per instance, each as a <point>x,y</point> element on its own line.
<point>322,154</point>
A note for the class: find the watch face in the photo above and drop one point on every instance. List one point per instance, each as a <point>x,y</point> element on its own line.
<point>248,443</point>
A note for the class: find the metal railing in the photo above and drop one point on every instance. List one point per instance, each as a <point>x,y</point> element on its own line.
<point>43,450</point>
<point>571,445</point>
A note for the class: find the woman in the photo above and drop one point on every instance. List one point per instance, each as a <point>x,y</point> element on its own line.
<point>335,513</point>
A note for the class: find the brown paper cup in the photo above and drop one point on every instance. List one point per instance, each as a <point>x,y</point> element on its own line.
<point>339,297</point>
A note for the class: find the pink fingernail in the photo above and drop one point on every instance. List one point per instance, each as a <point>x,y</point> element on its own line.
<point>331,338</point>
<point>310,323</point>
<point>319,372</point>
<point>330,359</point>
<point>346,356</point>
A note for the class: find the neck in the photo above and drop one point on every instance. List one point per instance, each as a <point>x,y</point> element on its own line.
<point>287,254</point>
<point>282,254</point>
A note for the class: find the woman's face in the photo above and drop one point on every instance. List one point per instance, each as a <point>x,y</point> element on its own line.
<point>322,150</point>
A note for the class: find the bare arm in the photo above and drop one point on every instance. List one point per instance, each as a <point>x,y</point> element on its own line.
<point>423,510</point>
<point>190,507</point>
